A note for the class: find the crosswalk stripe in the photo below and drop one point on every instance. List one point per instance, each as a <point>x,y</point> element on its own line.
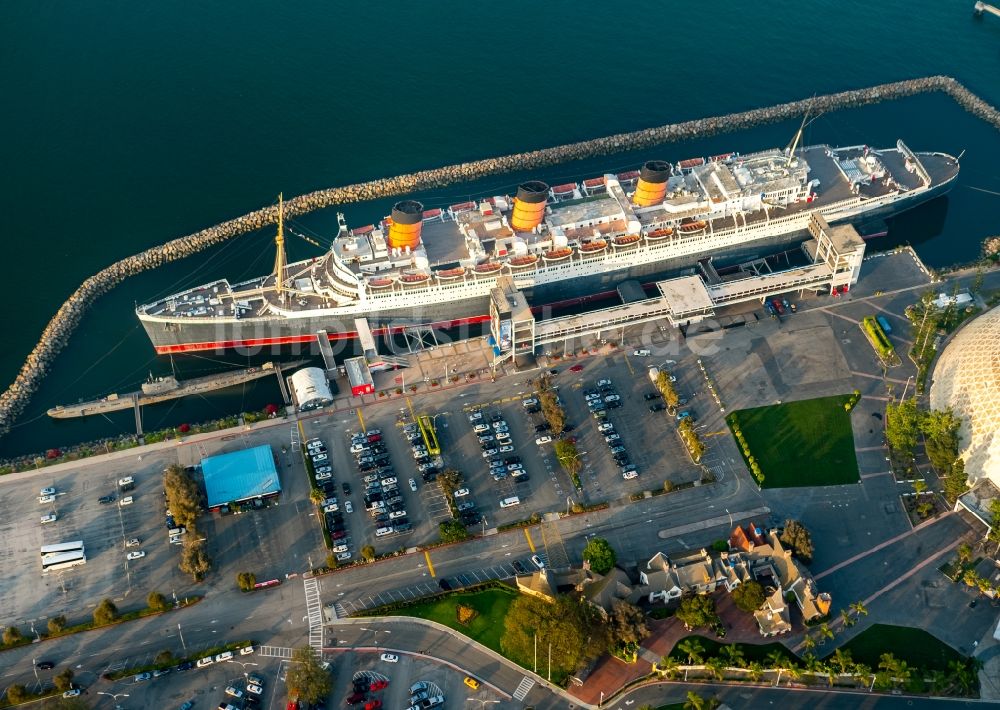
<point>527,683</point>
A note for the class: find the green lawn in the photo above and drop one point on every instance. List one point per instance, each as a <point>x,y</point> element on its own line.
<point>915,646</point>
<point>807,443</point>
<point>486,628</point>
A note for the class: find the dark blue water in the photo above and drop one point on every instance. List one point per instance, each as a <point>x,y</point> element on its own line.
<point>125,125</point>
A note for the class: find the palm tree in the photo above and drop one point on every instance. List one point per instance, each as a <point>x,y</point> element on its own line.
<point>841,659</point>
<point>317,496</point>
<point>714,665</point>
<point>859,608</point>
<point>776,659</point>
<point>733,655</point>
<point>694,701</point>
<point>971,578</point>
<point>667,666</point>
<point>847,619</point>
<point>692,649</point>
<point>812,663</point>
<point>755,670</point>
<point>809,643</point>
<point>939,682</point>
<point>825,633</point>
<point>964,552</point>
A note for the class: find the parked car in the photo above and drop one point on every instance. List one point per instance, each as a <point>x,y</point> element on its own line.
<point>576,368</point>
<point>104,500</point>
<point>543,440</point>
<point>142,677</point>
<point>537,561</point>
<point>461,492</point>
<point>658,407</point>
<point>413,484</point>
<point>390,657</point>
<point>135,555</point>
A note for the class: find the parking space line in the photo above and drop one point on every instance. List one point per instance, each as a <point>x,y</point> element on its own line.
<point>430,565</point>
<point>527,536</point>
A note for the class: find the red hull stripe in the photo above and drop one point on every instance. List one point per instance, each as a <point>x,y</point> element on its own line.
<point>292,339</point>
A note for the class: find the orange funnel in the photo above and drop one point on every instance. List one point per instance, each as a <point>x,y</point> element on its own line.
<point>652,186</point>
<point>404,230</point>
<point>529,205</point>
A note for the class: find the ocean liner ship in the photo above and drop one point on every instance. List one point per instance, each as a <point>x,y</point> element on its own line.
<point>435,267</point>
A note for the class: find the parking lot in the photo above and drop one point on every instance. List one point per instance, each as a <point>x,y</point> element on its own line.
<point>32,595</point>
<point>401,676</point>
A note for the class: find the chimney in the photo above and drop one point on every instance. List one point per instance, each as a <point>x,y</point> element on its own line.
<point>529,205</point>
<point>407,218</point>
<point>652,186</point>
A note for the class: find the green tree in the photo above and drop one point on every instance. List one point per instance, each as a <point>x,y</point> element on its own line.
<point>692,650</point>
<point>306,678</point>
<point>568,623</point>
<point>551,409</point>
<point>63,680</point>
<point>824,632</point>
<point>368,553</point>
<point>600,555</point>
<point>453,531</point>
<point>955,483</point>
<point>194,559</point>
<point>902,426</point>
<point>715,665</point>
<point>569,458</point>
<point>749,596</point>
<point>667,389</point>
<point>105,613</point>
<point>776,659</point>
<point>626,624</point>
<point>56,624</point>
<point>164,657</point>
<point>697,610</point>
<point>183,496</point>
<point>941,439</point>
<point>846,618</point>
<point>859,608</point>
<point>755,671</point>
<point>797,537</point>
<point>897,670</point>
<point>246,581</point>
<point>17,694</point>
<point>157,602</point>
<point>12,635</point>
<point>317,496</point>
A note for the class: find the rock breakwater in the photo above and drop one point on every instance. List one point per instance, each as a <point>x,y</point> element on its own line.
<point>67,318</point>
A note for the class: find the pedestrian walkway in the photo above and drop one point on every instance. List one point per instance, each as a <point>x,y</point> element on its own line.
<point>555,549</point>
<point>725,519</point>
<point>527,683</point>
<point>881,545</point>
<point>314,610</point>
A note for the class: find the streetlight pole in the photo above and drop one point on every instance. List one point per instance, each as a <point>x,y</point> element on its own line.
<point>730,519</point>
<point>34,667</point>
<point>536,653</point>
<point>550,661</point>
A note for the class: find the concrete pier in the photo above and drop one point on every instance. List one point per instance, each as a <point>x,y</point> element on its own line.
<point>58,331</point>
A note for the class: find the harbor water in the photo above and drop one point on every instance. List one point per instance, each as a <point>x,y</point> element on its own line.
<point>128,125</point>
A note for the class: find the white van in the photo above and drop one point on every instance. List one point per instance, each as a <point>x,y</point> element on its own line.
<point>641,353</point>
<point>510,502</point>
<point>382,532</point>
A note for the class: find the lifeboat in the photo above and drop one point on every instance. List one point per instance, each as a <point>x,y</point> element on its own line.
<point>520,262</point>
<point>625,240</point>
<point>380,283</point>
<point>414,278</point>
<point>692,227</point>
<point>450,273</point>
<point>489,267</point>
<point>558,254</point>
<point>594,247</point>
<point>659,234</point>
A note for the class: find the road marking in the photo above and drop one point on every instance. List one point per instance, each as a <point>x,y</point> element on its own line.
<point>527,683</point>
<point>361,419</point>
<point>527,535</point>
<point>716,433</point>
<point>430,565</point>
<point>629,366</point>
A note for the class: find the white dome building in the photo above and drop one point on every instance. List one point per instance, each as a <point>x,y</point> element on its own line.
<point>967,379</point>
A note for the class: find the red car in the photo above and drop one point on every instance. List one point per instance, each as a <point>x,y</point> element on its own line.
<point>375,437</point>
<point>355,698</point>
<point>379,685</point>
<point>373,705</point>
<point>337,535</point>
<point>576,368</point>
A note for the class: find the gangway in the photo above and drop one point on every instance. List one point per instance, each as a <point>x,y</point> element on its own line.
<point>980,7</point>
<point>376,362</point>
<point>282,384</point>
<point>323,339</point>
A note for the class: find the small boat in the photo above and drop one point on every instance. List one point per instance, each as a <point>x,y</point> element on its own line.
<point>450,273</point>
<point>380,283</point>
<point>558,254</point>
<point>657,234</point>
<point>625,240</point>
<point>413,278</point>
<point>695,226</point>
<point>489,267</point>
<point>594,247</point>
<point>520,262</point>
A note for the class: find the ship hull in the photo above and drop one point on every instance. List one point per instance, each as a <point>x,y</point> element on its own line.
<point>299,334</point>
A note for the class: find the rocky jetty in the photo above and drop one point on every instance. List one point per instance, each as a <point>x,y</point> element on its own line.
<point>57,332</point>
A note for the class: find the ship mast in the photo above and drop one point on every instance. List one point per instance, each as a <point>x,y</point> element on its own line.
<point>806,122</point>
<point>279,258</point>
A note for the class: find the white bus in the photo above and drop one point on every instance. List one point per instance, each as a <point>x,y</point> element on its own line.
<point>66,560</point>
<point>62,547</point>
